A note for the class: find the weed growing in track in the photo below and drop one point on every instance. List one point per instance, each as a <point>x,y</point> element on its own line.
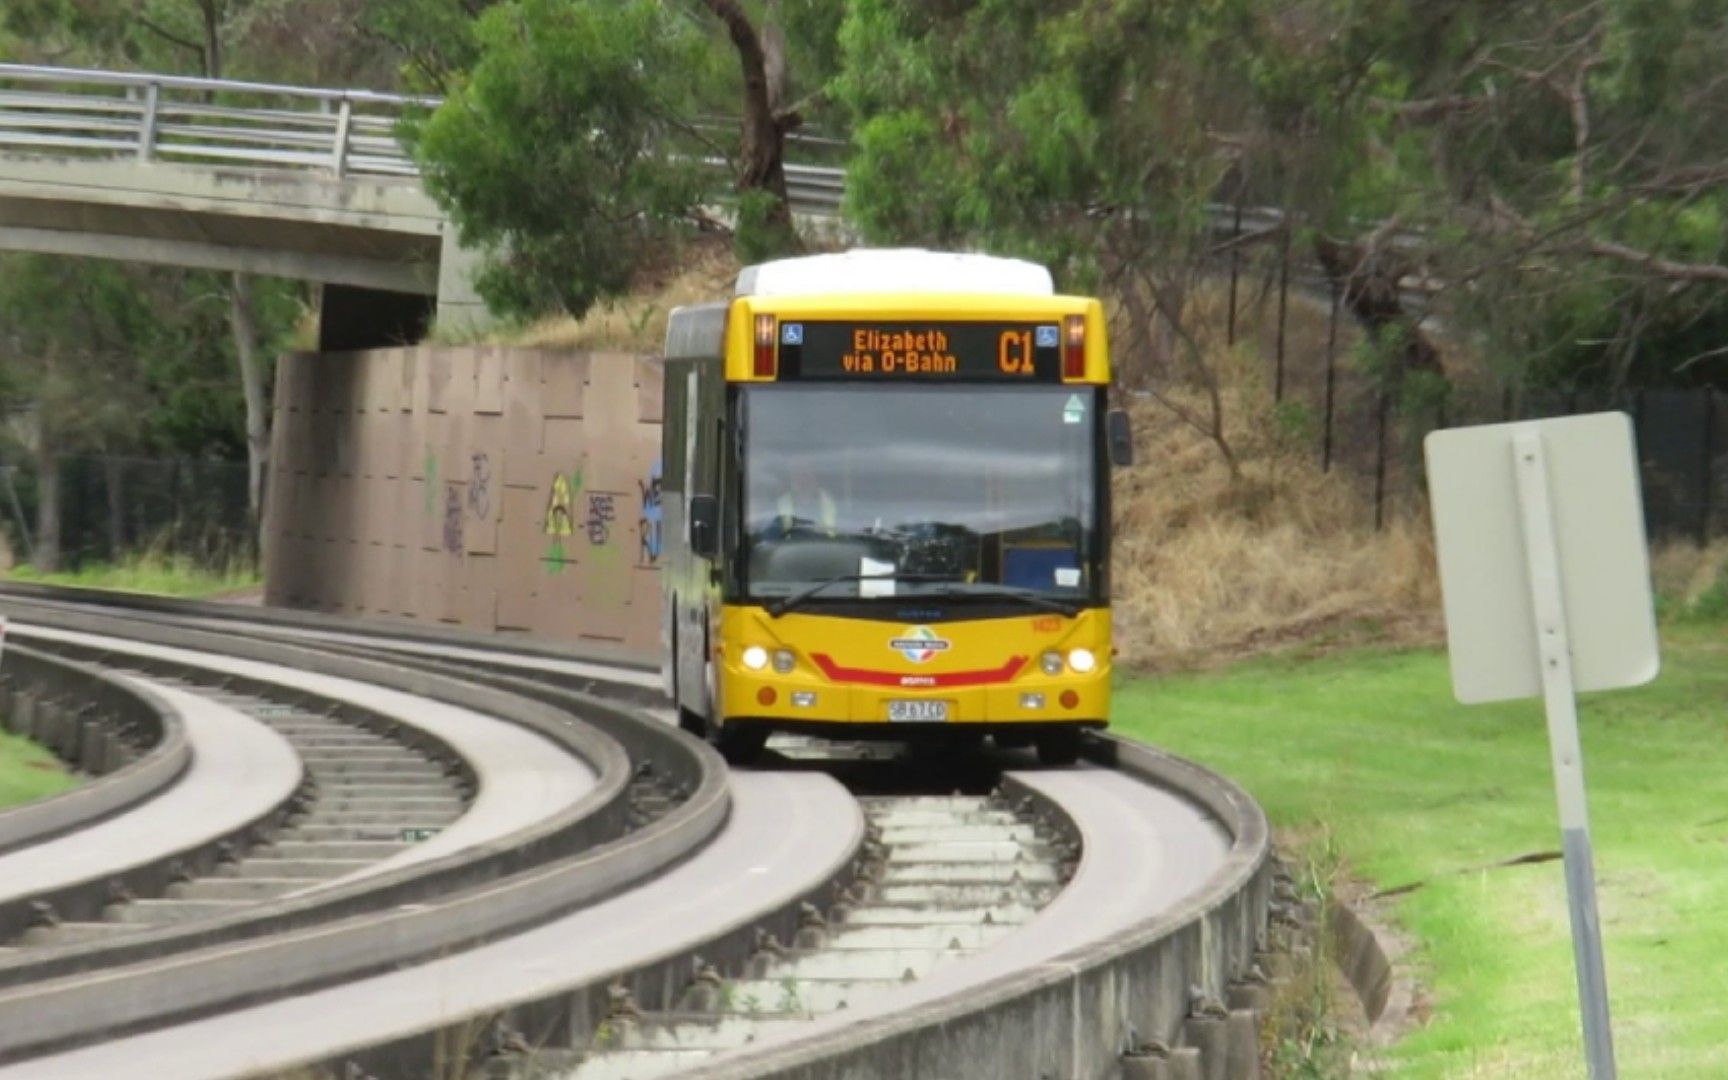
<point>29,771</point>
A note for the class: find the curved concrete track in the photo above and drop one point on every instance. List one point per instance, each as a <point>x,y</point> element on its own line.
<point>240,771</point>
<point>522,778</point>
<point>527,662</point>
<point>787,832</point>
<point>1169,892</point>
<point>1144,851</point>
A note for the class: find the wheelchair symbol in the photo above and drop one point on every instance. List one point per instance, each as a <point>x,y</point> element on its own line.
<point>1048,337</point>
<point>793,334</point>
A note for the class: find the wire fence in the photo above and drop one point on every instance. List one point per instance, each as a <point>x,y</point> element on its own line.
<point>115,508</point>
<point>1373,431</point>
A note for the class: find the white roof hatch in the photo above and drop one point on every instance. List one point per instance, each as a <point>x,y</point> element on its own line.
<point>885,270</point>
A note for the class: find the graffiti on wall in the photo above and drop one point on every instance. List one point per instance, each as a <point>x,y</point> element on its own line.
<point>648,520</point>
<point>480,487</point>
<point>560,518</point>
<point>453,520</point>
<point>602,512</point>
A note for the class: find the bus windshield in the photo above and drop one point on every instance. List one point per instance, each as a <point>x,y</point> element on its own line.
<point>919,490</point>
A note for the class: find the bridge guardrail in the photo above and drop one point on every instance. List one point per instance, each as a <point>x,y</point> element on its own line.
<point>167,117</point>
<point>150,117</point>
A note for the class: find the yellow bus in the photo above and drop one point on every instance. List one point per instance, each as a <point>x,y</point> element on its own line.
<point>887,504</point>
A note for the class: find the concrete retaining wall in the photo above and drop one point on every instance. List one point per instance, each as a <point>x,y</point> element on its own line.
<point>491,488</point>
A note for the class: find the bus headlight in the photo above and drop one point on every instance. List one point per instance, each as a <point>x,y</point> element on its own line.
<point>755,658</point>
<point>1051,662</point>
<point>783,661</point>
<point>1082,661</point>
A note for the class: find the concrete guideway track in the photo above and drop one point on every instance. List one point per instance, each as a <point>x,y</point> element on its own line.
<point>1143,850</point>
<point>1110,966</point>
<point>1182,911</point>
<point>660,797</point>
<point>786,831</point>
<point>130,742</point>
<point>941,879</point>
<point>522,779</point>
<point>240,771</point>
<point>528,663</point>
<point>365,798</point>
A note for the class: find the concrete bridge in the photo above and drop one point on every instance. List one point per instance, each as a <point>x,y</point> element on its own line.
<point>215,174</point>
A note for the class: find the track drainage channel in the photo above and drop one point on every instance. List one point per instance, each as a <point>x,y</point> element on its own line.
<point>367,796</point>
<point>942,877</point>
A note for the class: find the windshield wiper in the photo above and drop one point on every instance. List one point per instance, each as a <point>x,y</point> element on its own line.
<point>1012,592</point>
<point>777,608</point>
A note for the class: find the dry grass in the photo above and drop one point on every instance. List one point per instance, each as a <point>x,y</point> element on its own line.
<point>700,272</point>
<point>1687,577</point>
<point>1209,566</point>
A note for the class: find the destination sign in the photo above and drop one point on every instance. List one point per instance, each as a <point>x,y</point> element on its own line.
<point>921,351</point>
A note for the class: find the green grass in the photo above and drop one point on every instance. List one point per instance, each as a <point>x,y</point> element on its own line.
<point>1369,753</point>
<point>27,771</point>
<point>148,574</point>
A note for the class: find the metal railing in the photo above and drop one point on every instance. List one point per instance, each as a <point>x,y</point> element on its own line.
<point>144,117</point>
<point>212,121</point>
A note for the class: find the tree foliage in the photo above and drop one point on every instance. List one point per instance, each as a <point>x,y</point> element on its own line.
<point>1560,168</point>
<point>1084,134</point>
<point>575,139</point>
<point>567,149</point>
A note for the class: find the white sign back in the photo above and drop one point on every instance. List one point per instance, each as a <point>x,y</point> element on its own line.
<point>1603,559</point>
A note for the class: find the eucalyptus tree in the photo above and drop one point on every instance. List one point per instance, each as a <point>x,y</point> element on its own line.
<point>1088,134</point>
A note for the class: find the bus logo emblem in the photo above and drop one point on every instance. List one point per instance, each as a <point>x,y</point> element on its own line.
<point>918,644</point>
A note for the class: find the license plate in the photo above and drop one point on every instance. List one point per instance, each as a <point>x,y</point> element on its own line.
<point>917,711</point>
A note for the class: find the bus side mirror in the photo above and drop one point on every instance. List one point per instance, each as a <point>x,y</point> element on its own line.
<point>704,526</point>
<point>1121,437</point>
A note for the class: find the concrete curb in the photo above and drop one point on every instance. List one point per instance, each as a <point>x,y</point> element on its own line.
<point>404,629</point>
<point>1076,1016</point>
<point>125,735</point>
<point>1369,954</point>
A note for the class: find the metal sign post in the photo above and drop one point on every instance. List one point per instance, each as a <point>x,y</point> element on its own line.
<point>1544,568</point>
<point>1554,650</point>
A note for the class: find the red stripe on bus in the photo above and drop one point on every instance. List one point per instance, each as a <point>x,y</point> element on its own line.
<point>868,677</point>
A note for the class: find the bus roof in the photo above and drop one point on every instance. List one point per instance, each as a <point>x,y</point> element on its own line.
<point>895,270</point>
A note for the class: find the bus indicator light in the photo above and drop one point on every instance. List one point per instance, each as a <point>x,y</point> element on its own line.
<point>1074,347</point>
<point>765,359</point>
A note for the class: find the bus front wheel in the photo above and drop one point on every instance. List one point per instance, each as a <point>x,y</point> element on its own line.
<point>1060,747</point>
<point>739,743</point>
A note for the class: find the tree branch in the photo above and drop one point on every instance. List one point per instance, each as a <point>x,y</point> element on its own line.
<point>1653,263</point>
<point>169,36</point>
